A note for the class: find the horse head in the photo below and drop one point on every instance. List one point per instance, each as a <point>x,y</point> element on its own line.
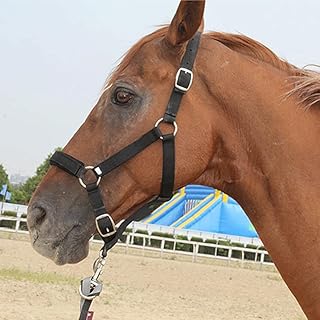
<point>60,218</point>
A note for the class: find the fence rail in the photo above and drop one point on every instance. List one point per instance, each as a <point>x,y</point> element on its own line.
<point>223,248</point>
<point>196,249</point>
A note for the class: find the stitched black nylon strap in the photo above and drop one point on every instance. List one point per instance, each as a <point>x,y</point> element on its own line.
<point>184,78</point>
<point>173,106</point>
<point>168,167</point>
<point>191,52</point>
<point>95,199</point>
<point>128,152</point>
<point>67,163</point>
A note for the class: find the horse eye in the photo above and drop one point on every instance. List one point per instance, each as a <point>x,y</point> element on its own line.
<point>122,96</point>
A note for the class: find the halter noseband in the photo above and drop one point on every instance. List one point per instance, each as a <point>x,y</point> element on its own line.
<point>104,222</point>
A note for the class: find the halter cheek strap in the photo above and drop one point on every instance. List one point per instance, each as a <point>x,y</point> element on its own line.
<point>90,287</point>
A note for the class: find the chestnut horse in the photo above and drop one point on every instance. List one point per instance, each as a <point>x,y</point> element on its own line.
<point>249,126</point>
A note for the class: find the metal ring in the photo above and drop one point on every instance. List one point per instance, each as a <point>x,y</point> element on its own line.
<point>81,181</point>
<point>173,123</point>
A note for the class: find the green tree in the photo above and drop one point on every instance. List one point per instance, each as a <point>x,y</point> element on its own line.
<point>18,195</point>
<point>3,176</point>
<point>23,193</point>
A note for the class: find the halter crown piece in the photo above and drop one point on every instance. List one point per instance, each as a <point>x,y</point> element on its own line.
<point>91,287</point>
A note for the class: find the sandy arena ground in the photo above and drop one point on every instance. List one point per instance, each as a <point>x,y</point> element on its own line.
<point>138,288</point>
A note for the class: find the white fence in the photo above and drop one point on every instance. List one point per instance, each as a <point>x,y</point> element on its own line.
<point>189,234</point>
<point>19,209</point>
<point>197,249</point>
<point>182,242</point>
<point>18,221</point>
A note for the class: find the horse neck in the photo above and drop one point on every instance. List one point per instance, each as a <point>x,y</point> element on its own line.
<point>267,159</point>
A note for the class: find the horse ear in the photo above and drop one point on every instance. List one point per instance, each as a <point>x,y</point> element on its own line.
<point>186,22</point>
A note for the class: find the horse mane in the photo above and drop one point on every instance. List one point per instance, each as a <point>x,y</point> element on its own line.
<point>306,82</point>
<point>307,88</point>
<point>252,48</point>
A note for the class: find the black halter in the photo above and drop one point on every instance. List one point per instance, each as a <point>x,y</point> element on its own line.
<point>104,222</point>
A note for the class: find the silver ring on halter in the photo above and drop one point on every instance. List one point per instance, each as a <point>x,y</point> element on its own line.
<point>81,181</point>
<point>174,125</point>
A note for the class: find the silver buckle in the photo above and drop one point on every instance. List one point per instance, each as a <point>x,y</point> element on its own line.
<point>185,70</point>
<point>107,234</point>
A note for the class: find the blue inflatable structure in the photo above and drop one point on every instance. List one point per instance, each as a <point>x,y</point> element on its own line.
<point>203,208</point>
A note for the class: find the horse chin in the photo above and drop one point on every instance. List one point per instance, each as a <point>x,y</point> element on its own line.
<point>70,250</point>
<point>65,254</point>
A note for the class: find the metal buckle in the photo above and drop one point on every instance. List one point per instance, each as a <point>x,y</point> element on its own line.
<point>173,123</point>
<point>89,168</point>
<point>176,84</point>
<point>107,234</point>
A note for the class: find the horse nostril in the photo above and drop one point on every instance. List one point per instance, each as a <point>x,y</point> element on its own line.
<point>36,216</point>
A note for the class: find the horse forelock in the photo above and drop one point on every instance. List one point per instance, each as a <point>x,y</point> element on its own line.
<point>306,82</point>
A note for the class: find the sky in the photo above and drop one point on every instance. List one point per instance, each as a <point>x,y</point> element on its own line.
<point>56,55</point>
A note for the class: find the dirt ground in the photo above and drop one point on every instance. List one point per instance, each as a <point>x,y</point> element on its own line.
<point>138,288</point>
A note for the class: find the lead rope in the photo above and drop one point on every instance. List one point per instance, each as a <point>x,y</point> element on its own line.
<point>91,287</point>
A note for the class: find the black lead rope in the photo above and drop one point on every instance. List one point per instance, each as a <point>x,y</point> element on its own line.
<point>91,287</point>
